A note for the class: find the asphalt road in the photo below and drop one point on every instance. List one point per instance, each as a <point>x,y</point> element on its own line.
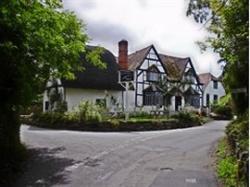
<point>171,158</point>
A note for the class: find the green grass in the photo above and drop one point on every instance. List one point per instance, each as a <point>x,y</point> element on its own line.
<point>226,165</point>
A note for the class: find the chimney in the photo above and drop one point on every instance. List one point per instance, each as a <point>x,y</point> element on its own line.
<point>123,54</point>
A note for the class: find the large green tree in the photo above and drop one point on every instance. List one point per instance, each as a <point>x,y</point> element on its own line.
<point>38,40</point>
<point>228,24</point>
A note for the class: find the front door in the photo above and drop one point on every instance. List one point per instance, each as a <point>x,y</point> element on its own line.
<point>177,102</point>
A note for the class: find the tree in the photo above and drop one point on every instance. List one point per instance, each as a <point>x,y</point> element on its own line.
<point>228,24</point>
<point>38,40</point>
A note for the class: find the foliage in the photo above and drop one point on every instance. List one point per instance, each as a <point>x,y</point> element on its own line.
<point>237,132</point>
<point>228,23</point>
<point>223,111</point>
<point>85,113</point>
<point>227,165</point>
<point>225,100</point>
<point>36,106</point>
<point>238,140</point>
<point>140,114</point>
<point>38,41</point>
<point>187,117</point>
<point>89,112</point>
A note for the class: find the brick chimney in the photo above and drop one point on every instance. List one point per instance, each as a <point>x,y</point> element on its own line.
<point>123,54</point>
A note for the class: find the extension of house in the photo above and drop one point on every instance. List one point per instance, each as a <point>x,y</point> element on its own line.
<point>161,82</point>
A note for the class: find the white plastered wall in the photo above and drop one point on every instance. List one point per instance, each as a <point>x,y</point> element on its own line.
<point>220,91</point>
<point>74,96</point>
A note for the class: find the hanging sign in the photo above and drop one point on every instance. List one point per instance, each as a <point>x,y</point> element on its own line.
<point>126,76</point>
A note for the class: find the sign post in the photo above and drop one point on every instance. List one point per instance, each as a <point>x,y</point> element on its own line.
<point>126,77</point>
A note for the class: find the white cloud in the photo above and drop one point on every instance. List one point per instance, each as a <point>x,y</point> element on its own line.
<point>144,22</point>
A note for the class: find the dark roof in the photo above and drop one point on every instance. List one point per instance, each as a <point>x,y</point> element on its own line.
<point>175,66</point>
<point>96,78</point>
<point>135,59</point>
<point>205,78</point>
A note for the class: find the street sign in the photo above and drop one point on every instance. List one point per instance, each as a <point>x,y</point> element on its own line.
<point>126,76</point>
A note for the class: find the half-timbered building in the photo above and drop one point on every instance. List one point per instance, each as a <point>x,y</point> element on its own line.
<point>161,82</point>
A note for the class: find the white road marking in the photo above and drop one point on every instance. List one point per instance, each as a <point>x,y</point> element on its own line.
<point>191,180</point>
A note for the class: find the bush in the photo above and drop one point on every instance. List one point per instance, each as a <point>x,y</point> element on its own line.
<point>238,139</point>
<point>223,111</point>
<point>140,114</point>
<point>89,112</point>
<point>237,133</point>
<point>187,117</point>
<point>49,118</point>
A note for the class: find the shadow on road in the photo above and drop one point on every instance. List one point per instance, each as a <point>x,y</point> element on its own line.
<point>45,168</point>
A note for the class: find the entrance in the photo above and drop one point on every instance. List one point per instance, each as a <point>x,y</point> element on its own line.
<point>177,102</point>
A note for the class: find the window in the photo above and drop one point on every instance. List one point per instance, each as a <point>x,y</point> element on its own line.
<point>215,98</point>
<point>152,98</point>
<point>207,100</point>
<point>153,74</point>
<point>46,105</point>
<point>101,102</point>
<point>215,84</point>
<point>189,77</point>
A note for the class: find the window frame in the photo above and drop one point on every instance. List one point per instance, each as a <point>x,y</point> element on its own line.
<point>215,84</point>
<point>153,71</point>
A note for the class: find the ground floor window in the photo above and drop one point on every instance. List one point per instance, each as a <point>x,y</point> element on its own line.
<point>152,98</point>
<point>46,105</point>
<point>193,100</point>
<point>101,102</point>
<point>207,100</point>
<point>215,98</point>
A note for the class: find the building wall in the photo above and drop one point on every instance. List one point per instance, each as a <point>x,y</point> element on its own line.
<point>142,78</point>
<point>220,91</point>
<point>74,96</point>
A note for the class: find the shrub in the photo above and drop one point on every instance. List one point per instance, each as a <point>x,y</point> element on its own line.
<point>187,117</point>
<point>224,111</point>
<point>140,114</point>
<point>237,133</point>
<point>49,117</point>
<point>89,112</point>
<point>238,139</point>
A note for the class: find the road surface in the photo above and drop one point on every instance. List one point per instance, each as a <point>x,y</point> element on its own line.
<point>170,158</point>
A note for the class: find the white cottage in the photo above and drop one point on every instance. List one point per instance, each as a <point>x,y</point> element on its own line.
<point>213,89</point>
<point>160,81</point>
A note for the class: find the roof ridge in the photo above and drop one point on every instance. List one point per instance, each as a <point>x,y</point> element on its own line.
<point>171,56</point>
<point>141,49</point>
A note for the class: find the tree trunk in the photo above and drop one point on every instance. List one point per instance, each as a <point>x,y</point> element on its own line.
<point>12,153</point>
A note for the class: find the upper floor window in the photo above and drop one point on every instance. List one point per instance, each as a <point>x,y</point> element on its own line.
<point>153,74</point>
<point>189,76</point>
<point>215,84</point>
<point>207,100</point>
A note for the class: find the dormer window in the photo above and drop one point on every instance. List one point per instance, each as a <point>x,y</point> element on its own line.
<point>215,84</point>
<point>153,74</point>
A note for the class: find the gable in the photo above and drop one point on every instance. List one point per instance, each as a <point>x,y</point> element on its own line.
<point>152,59</point>
<point>190,73</point>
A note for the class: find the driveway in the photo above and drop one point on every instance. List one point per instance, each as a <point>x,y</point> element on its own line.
<point>169,158</point>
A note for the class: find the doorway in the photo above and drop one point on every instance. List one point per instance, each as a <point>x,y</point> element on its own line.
<point>177,102</point>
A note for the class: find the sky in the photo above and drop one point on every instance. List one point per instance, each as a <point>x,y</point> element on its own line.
<point>162,23</point>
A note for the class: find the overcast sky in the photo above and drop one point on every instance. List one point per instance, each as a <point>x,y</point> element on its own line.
<point>162,23</point>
